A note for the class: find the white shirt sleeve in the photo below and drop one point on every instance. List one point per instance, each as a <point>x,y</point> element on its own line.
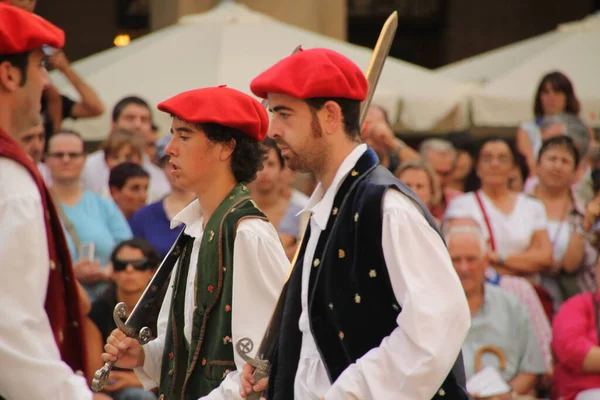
<point>149,373</point>
<point>260,270</point>
<point>414,360</point>
<point>30,360</point>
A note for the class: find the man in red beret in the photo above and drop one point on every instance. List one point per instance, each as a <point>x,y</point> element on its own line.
<point>41,315</point>
<point>232,265</point>
<point>373,308</point>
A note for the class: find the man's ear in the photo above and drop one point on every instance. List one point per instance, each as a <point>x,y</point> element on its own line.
<point>227,150</point>
<point>10,77</point>
<point>333,119</point>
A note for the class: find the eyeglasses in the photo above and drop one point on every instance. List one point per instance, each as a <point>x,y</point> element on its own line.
<point>139,264</point>
<point>61,155</point>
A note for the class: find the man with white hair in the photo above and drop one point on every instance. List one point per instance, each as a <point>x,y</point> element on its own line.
<point>498,319</point>
<point>441,155</point>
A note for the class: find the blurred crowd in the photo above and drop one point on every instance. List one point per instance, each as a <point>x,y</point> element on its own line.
<point>521,217</point>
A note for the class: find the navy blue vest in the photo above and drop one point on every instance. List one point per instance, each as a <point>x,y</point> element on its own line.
<point>351,301</point>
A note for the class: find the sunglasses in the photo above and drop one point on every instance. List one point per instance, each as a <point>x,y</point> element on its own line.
<point>139,264</point>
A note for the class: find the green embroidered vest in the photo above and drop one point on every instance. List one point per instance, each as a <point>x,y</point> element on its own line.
<point>190,371</point>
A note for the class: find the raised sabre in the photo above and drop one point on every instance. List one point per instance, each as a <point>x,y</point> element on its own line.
<point>245,345</point>
<point>380,54</point>
<point>134,325</point>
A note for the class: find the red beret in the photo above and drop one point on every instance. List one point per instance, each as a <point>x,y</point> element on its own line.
<point>313,73</point>
<point>22,31</point>
<point>220,105</point>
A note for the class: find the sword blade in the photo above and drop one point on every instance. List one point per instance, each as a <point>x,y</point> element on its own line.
<point>139,314</point>
<point>380,53</point>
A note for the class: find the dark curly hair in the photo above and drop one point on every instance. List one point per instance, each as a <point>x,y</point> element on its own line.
<point>248,156</point>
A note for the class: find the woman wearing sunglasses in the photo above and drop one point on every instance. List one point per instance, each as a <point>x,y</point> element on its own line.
<point>134,262</point>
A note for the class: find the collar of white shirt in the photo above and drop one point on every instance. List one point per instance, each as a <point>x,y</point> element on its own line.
<point>191,216</point>
<point>320,203</point>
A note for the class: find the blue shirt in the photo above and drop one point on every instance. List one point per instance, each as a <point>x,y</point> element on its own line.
<point>98,220</point>
<point>290,223</point>
<point>152,224</point>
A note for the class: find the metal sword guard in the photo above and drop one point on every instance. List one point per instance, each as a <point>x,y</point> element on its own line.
<point>261,367</point>
<point>119,313</point>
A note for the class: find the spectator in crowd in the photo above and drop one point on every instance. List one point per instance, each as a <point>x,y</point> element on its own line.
<point>153,222</point>
<point>289,180</point>
<point>555,95</point>
<point>591,224</point>
<point>265,190</point>
<point>465,147</point>
<point>519,174</point>
<point>573,256</point>
<point>422,179</point>
<point>34,142</point>
<point>522,290</point>
<point>441,155</point>
<point>566,125</point>
<point>150,145</point>
<point>378,134</point>
<point>513,223</point>
<point>570,125</point>
<point>498,319</point>
<point>584,189</point>
<point>132,114</point>
<point>87,217</point>
<point>134,262</point>
<point>57,107</point>
<point>128,184</point>
<point>576,347</point>
<point>120,146</point>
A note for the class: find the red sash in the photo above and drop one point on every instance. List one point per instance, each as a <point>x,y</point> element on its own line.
<point>491,240</point>
<point>62,299</point>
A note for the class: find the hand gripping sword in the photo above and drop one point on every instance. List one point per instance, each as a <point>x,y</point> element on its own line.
<point>134,325</point>
<point>245,345</point>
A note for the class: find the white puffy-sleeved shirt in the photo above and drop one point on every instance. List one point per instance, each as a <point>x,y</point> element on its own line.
<point>29,359</point>
<point>413,361</point>
<point>260,268</point>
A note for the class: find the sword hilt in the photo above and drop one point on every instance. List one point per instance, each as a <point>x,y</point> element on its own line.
<point>120,311</point>
<point>101,376</point>
<point>261,367</point>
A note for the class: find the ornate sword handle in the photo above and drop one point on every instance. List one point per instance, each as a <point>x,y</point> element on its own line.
<point>261,367</point>
<point>119,313</point>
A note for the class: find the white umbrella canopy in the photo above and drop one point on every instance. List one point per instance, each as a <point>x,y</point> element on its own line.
<point>231,44</point>
<point>512,73</point>
<point>486,66</point>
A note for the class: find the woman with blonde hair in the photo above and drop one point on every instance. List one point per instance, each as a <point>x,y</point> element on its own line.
<point>421,179</point>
